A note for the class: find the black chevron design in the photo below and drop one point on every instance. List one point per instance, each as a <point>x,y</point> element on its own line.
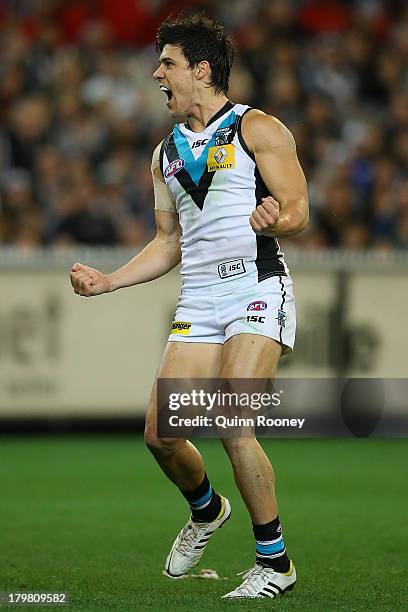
<point>199,192</point>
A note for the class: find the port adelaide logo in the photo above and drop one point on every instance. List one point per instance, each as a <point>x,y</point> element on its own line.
<point>281,318</point>
<point>224,135</point>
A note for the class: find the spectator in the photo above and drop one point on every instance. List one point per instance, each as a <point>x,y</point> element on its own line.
<point>80,114</point>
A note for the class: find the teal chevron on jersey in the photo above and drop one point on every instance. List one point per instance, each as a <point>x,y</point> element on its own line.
<point>197,167</point>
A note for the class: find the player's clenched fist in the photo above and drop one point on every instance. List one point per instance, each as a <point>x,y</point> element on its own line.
<point>265,215</point>
<point>88,281</point>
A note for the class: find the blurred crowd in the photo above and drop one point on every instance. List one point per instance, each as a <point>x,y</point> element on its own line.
<point>80,114</point>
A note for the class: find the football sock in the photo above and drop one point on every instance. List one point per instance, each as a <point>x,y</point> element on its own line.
<point>270,547</point>
<point>205,503</point>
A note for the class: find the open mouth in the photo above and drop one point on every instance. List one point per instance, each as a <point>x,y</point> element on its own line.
<point>167,91</point>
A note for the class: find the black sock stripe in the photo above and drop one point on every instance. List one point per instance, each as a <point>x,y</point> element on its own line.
<point>268,531</point>
<point>202,489</point>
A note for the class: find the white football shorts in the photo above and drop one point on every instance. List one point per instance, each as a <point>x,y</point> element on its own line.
<point>265,309</point>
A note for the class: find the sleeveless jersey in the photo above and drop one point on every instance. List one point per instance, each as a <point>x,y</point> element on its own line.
<point>215,183</point>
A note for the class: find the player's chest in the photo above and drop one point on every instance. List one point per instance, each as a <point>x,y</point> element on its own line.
<point>199,159</point>
<point>215,168</point>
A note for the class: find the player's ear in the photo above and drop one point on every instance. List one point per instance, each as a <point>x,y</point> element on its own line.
<point>202,70</point>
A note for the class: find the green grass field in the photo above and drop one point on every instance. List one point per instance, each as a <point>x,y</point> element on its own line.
<point>95,517</point>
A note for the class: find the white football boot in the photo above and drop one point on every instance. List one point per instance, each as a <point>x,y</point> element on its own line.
<point>190,543</point>
<point>261,581</point>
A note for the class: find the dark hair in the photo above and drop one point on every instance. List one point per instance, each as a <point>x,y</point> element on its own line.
<point>200,38</point>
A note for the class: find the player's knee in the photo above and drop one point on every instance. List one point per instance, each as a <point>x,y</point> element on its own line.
<point>159,446</point>
<point>153,443</point>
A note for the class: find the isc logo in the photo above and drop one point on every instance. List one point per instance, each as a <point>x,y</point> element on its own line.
<point>174,167</point>
<point>231,268</point>
<point>199,143</point>
<point>255,319</point>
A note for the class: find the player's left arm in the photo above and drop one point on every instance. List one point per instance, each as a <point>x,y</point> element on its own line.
<point>286,211</point>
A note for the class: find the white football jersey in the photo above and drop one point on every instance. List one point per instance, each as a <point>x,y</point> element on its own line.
<point>215,183</point>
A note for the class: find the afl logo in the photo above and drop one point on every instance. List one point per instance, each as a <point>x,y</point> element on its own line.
<point>257,306</point>
<point>174,167</point>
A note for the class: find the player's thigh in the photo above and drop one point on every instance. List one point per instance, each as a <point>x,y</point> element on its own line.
<point>183,360</point>
<point>250,356</point>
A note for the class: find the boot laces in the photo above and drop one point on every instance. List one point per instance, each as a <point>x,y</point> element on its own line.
<point>189,536</point>
<point>251,581</point>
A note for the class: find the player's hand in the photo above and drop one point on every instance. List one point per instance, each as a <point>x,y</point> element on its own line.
<point>88,281</point>
<point>265,216</point>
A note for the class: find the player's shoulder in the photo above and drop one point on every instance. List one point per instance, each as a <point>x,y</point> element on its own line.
<point>257,120</point>
<point>258,126</point>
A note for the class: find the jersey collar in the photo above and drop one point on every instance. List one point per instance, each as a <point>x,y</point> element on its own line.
<point>224,109</point>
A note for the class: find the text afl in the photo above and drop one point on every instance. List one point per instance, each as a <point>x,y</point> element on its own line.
<point>174,167</point>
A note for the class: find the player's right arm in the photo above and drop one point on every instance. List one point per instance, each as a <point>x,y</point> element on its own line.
<point>160,256</point>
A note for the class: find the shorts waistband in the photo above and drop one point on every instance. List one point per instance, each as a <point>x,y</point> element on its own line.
<point>226,289</point>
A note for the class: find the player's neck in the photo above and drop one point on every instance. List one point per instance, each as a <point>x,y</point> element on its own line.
<point>201,112</point>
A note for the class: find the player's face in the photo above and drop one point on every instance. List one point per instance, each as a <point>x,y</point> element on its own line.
<point>176,80</point>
